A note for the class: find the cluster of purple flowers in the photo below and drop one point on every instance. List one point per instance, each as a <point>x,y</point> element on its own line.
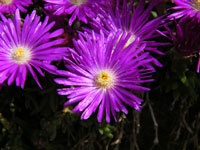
<point>110,58</point>
<point>186,38</point>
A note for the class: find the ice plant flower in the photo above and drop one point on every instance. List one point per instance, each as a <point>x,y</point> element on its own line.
<point>9,6</point>
<point>130,19</point>
<point>103,74</point>
<point>186,38</point>
<point>187,8</point>
<point>28,45</point>
<point>80,9</point>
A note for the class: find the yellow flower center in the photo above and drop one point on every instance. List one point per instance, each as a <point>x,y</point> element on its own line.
<point>19,52</point>
<point>196,5</point>
<point>20,55</point>
<point>104,79</point>
<point>5,2</point>
<point>130,40</point>
<point>78,2</point>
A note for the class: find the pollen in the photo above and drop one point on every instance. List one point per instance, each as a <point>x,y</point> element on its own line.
<point>78,2</point>
<point>130,40</point>
<point>198,1</point>
<point>104,79</point>
<point>5,2</point>
<point>19,52</point>
<point>20,55</point>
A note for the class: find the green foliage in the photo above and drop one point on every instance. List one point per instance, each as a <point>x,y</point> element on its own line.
<point>179,76</point>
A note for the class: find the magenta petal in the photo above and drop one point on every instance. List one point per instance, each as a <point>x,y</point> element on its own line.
<point>101,109</point>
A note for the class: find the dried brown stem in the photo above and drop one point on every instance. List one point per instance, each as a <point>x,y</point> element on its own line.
<point>186,124</point>
<point>156,140</point>
<point>135,130</point>
<point>121,133</point>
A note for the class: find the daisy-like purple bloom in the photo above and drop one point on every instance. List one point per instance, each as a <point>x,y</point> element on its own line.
<point>134,20</point>
<point>187,8</point>
<point>104,73</point>
<point>28,45</point>
<point>80,9</point>
<point>186,38</point>
<point>9,6</point>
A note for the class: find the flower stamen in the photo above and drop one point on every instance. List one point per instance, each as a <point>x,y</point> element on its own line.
<point>130,40</point>
<point>20,55</point>
<point>78,2</point>
<point>5,2</point>
<point>196,5</point>
<point>104,79</point>
<point>19,52</point>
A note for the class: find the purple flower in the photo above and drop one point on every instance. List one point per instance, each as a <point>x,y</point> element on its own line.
<point>186,38</point>
<point>188,8</point>
<point>28,45</point>
<point>80,9</point>
<point>134,20</point>
<point>104,73</point>
<point>9,6</point>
